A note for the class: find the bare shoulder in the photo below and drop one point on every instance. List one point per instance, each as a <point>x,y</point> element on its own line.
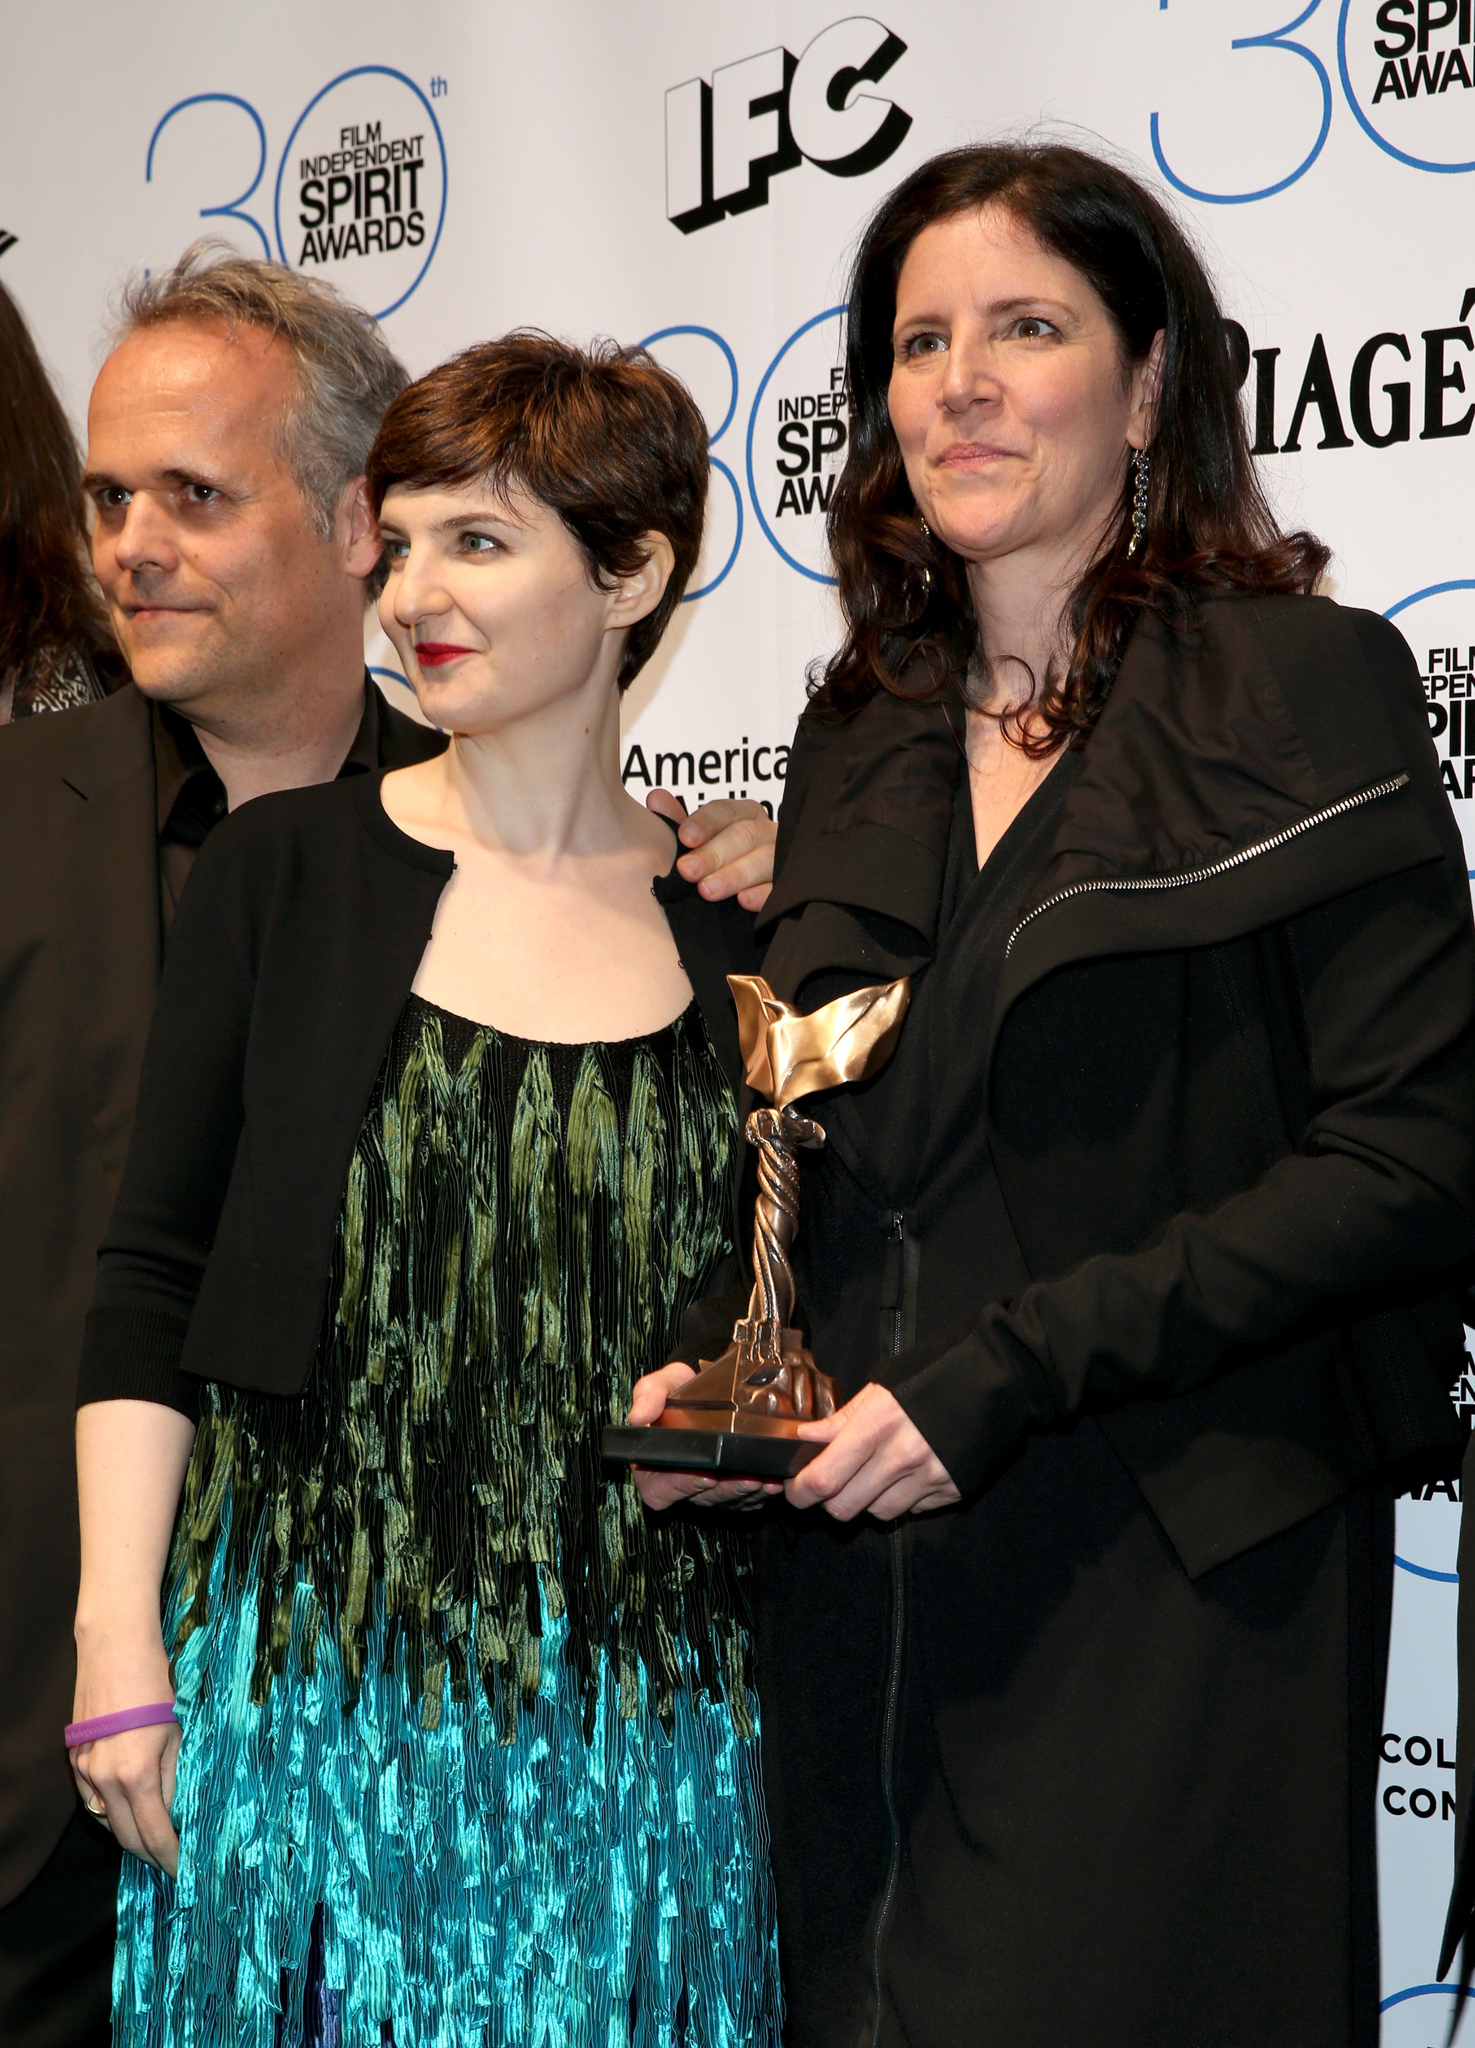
<point>414,790</point>
<point>413,800</point>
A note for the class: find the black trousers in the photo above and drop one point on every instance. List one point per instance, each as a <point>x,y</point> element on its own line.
<point>56,1945</point>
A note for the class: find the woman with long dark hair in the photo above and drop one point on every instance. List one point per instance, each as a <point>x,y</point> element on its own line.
<point>56,649</point>
<point>1135,1264</point>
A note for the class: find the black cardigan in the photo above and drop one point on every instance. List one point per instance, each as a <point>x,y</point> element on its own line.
<point>294,950</point>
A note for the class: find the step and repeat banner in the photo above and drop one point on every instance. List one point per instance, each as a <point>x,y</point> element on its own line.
<point>693,176</point>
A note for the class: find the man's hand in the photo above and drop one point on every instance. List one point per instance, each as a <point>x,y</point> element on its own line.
<point>876,1461</point>
<point>730,846</point>
<point>664,1489</point>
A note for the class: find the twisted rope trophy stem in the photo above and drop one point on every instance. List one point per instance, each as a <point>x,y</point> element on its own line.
<point>750,1403</point>
<point>775,1222</point>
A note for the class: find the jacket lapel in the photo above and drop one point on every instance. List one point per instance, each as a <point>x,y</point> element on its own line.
<point>1232,780</point>
<point>1220,794</point>
<point>860,886</point>
<point>105,853</point>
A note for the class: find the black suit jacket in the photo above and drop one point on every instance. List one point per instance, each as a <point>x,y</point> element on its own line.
<point>79,971</point>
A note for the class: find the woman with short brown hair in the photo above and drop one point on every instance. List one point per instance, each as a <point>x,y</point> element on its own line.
<point>433,1151</point>
<point>1136,1264</point>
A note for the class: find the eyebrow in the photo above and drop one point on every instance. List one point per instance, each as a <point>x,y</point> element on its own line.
<point>99,480</point>
<point>996,307</point>
<point>460,521</point>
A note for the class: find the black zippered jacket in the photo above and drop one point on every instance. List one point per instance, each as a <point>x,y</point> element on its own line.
<point>1229,1078</point>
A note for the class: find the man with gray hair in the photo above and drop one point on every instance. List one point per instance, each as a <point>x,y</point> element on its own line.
<point>227,436</point>
<point>236,549</point>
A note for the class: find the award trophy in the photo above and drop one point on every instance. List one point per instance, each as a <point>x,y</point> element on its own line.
<point>740,1415</point>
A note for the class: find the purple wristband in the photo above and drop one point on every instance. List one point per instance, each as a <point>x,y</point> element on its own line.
<point>102,1725</point>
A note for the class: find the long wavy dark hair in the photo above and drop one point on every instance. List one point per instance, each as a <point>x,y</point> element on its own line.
<point>48,600</point>
<point>1210,529</point>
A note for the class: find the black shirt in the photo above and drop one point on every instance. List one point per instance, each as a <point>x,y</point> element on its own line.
<point>191,796</point>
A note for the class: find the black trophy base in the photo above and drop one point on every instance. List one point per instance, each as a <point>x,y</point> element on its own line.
<point>708,1450</point>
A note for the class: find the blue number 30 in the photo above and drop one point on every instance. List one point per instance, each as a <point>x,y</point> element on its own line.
<point>231,210</point>
<point>1275,40</point>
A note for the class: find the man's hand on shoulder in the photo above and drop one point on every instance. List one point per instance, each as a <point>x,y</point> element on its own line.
<point>729,846</point>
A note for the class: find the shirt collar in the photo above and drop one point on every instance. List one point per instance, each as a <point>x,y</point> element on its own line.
<point>179,757</point>
<point>362,757</point>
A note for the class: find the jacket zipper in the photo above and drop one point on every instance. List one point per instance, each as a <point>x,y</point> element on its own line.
<point>1218,867</point>
<point>893,1671</point>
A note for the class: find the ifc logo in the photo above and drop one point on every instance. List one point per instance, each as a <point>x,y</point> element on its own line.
<point>728,135</point>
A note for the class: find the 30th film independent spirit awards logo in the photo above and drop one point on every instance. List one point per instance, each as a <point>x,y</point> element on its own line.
<point>1408,68</point>
<point>361,198</point>
<point>359,192</point>
<point>361,189</point>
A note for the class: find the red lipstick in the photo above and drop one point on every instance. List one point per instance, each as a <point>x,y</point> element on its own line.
<point>435,653</point>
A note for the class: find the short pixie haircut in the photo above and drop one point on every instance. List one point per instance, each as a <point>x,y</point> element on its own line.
<point>603,436</point>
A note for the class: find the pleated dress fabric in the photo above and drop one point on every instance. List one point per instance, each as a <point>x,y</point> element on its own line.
<point>469,1750</point>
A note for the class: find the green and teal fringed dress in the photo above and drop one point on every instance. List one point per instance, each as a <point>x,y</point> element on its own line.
<point>469,1752</point>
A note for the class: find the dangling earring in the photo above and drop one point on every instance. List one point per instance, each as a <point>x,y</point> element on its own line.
<point>1139,500</point>
<point>926,572</point>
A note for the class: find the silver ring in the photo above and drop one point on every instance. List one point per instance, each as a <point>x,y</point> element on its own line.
<point>98,1812</point>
